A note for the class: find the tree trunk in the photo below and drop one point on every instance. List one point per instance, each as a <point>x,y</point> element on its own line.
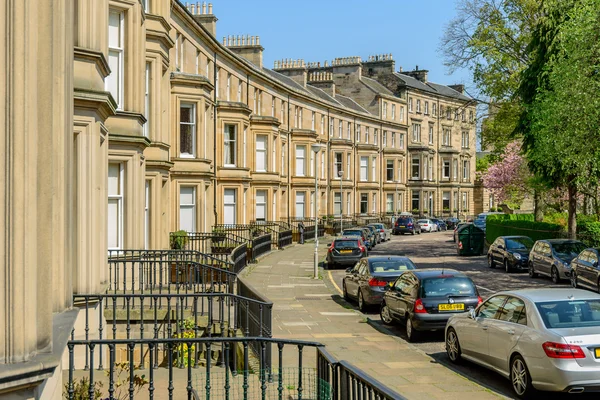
<point>572,224</point>
<point>538,206</point>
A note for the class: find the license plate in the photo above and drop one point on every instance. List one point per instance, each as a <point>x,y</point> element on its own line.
<point>402,226</point>
<point>451,307</point>
<point>597,352</point>
<point>345,251</point>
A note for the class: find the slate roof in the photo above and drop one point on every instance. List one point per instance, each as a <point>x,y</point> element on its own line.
<point>448,91</point>
<point>320,93</point>
<point>376,86</point>
<point>349,103</point>
<point>431,87</point>
<point>286,80</point>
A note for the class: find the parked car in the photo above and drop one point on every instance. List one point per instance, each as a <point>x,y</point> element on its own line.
<point>361,233</point>
<point>370,236</point>
<point>405,224</point>
<point>452,222</point>
<point>553,257</point>
<point>375,232</point>
<point>585,271</point>
<point>455,234</point>
<point>367,280</point>
<point>346,251</point>
<point>425,299</point>
<point>427,225</point>
<point>385,233</point>
<point>481,220</point>
<point>511,252</point>
<point>441,225</point>
<point>540,339</point>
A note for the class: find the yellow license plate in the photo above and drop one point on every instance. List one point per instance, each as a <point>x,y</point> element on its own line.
<point>451,307</point>
<point>597,352</point>
<point>402,226</point>
<point>346,251</point>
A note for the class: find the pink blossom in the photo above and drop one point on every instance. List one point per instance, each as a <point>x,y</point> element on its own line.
<point>507,178</point>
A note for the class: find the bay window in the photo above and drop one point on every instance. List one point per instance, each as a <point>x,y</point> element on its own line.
<point>230,150</point>
<point>261,153</point>
<point>364,168</point>
<point>115,205</point>
<point>116,57</point>
<point>416,167</point>
<point>261,205</point>
<point>187,208</point>
<point>230,206</point>
<point>300,160</point>
<point>187,130</point>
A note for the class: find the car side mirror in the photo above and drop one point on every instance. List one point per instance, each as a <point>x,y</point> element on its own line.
<point>348,270</point>
<point>472,313</point>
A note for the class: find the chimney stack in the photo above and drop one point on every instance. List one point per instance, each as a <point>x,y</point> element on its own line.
<point>419,74</point>
<point>203,17</point>
<point>295,69</point>
<point>246,46</point>
<point>459,87</point>
<point>379,64</point>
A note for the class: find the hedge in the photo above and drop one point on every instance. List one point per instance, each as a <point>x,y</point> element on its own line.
<point>522,225</point>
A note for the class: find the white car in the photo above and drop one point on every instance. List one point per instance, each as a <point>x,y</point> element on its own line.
<point>384,233</point>
<point>427,225</point>
<point>540,339</point>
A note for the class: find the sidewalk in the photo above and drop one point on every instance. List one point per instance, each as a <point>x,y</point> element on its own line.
<point>308,309</point>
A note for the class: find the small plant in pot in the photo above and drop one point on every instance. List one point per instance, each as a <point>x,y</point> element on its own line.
<point>179,240</point>
<point>218,235</point>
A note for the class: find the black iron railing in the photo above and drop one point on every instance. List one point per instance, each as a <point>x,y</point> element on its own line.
<point>260,245</point>
<point>168,271</point>
<point>233,375</point>
<point>281,232</point>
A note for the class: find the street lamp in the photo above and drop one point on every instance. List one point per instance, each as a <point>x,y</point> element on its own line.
<point>316,148</point>
<point>341,175</point>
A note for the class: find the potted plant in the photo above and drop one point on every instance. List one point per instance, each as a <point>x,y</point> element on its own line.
<point>415,211</point>
<point>218,235</point>
<point>179,240</point>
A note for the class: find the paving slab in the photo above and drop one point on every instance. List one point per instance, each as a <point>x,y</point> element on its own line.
<point>312,310</point>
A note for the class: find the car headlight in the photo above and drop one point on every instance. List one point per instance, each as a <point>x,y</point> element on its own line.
<point>567,265</point>
<point>517,256</point>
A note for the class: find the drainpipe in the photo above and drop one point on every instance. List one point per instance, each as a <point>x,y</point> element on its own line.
<point>327,167</point>
<point>215,138</point>
<point>288,159</point>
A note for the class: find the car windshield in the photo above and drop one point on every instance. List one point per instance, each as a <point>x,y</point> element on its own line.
<point>403,221</point>
<point>569,249</point>
<point>519,244</point>
<point>422,221</point>
<point>447,286</point>
<point>353,233</point>
<point>378,226</point>
<point>391,266</point>
<point>346,243</point>
<point>570,314</point>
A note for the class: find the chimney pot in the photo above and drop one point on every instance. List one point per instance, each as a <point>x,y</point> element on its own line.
<point>210,11</point>
<point>258,40</point>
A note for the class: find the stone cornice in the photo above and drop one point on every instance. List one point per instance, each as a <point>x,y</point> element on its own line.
<point>159,164</point>
<point>160,145</point>
<point>392,150</point>
<point>309,133</point>
<point>132,115</point>
<point>193,80</point>
<point>96,57</point>
<point>265,120</point>
<point>161,20</point>
<point>233,106</point>
<point>367,146</point>
<point>418,146</point>
<point>141,141</point>
<point>447,150</point>
<point>101,102</point>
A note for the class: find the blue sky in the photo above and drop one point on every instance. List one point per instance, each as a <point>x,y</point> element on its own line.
<point>322,30</point>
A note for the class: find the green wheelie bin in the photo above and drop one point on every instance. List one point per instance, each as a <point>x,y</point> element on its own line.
<point>470,240</point>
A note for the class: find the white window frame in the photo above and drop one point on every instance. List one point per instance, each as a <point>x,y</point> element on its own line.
<point>418,105</point>
<point>119,198</point>
<point>374,202</point>
<point>340,129</point>
<point>412,167</point>
<point>300,155</point>
<point>231,144</point>
<point>228,94</point>
<point>322,165</point>
<point>364,199</point>
<point>331,127</point>
<point>193,125</point>
<point>384,109</point>
<point>410,104</point>
<point>444,164</point>
<point>455,169</point>
<point>283,158</point>
<point>217,83</point>
<point>118,51</point>
<point>348,163</point>
<point>431,168</point>
<point>376,137</point>
<point>312,121</point>
<point>147,99</point>
<point>367,134</point>
<point>393,111</point>
<point>349,131</point>
<point>387,170</point>
<point>188,206</point>
<point>401,140</point>
<point>261,140</point>
<point>147,192</point>
<point>465,170</point>
<point>239,91</point>
<point>273,107</point>
<point>233,205</point>
<point>430,134</point>
<point>364,168</point>
<point>300,200</point>
<point>389,202</point>
<point>426,112</point>
<point>357,134</point>
<point>434,109</point>
<point>338,166</point>
<point>263,203</point>
<point>337,202</point>
<point>322,124</point>
<point>274,156</point>
<point>384,138</point>
<point>416,132</point>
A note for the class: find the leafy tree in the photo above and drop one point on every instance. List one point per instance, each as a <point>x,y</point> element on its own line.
<point>560,89</point>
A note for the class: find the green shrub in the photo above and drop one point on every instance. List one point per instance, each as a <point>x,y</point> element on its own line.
<point>520,224</point>
<point>178,240</point>
<point>589,233</point>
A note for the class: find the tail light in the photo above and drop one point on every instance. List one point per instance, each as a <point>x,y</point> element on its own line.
<point>479,300</point>
<point>561,350</point>
<point>362,248</point>
<point>376,282</point>
<point>409,224</point>
<point>460,246</point>
<point>419,307</point>
<point>331,248</point>
<point>382,230</point>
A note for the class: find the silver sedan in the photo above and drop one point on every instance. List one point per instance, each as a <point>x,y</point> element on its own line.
<point>540,339</point>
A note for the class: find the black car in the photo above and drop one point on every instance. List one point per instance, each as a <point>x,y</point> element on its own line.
<point>553,258</point>
<point>425,299</point>
<point>452,222</point>
<point>361,233</point>
<point>367,280</point>
<point>585,271</point>
<point>406,225</point>
<point>511,252</point>
<point>346,251</point>
<point>375,232</point>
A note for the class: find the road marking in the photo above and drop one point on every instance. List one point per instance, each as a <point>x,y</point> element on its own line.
<point>318,295</point>
<point>299,323</point>
<point>334,284</point>
<point>484,288</point>
<point>293,285</point>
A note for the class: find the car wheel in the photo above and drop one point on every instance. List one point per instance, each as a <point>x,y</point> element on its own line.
<point>361,301</point>
<point>491,262</point>
<point>385,315</point>
<point>411,333</point>
<point>507,267</point>
<point>574,280</point>
<point>532,273</point>
<point>554,275</point>
<point>520,378</point>
<point>453,346</point>
<point>346,297</point>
